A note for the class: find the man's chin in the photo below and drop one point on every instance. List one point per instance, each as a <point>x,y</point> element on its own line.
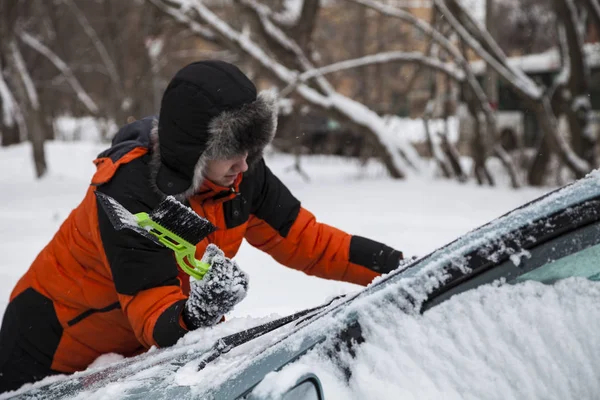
<point>227,181</point>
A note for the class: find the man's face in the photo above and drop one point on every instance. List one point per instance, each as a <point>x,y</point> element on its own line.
<point>224,172</point>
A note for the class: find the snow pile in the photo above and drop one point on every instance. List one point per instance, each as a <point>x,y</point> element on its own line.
<point>413,129</point>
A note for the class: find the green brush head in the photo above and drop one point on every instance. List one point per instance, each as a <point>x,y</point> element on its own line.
<point>170,224</point>
<point>184,250</point>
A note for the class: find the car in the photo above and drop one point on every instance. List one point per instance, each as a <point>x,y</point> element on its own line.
<point>545,241</point>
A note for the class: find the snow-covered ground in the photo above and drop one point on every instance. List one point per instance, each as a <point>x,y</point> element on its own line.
<point>527,341</point>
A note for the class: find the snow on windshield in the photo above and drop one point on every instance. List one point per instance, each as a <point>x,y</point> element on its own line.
<point>496,342</point>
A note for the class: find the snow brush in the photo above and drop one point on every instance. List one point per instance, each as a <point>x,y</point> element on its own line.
<point>170,224</point>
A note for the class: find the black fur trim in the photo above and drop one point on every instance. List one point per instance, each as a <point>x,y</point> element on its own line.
<point>250,128</point>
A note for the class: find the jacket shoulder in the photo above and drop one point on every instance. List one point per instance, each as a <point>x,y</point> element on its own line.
<point>130,136</point>
<point>131,184</point>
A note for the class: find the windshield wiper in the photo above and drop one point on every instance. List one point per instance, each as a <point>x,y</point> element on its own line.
<point>226,343</point>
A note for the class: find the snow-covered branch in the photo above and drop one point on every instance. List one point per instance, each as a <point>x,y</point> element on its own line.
<point>438,39</point>
<point>180,16</point>
<point>8,103</point>
<point>63,67</point>
<point>24,74</point>
<point>380,58</point>
<point>290,15</point>
<point>11,110</point>
<point>419,24</point>
<point>355,112</point>
<point>576,39</point>
<point>479,101</point>
<point>476,29</point>
<point>520,82</point>
<point>571,159</point>
<point>517,80</point>
<point>565,72</point>
<point>285,41</point>
<point>574,81</point>
<point>387,57</point>
<point>98,44</point>
<point>274,32</point>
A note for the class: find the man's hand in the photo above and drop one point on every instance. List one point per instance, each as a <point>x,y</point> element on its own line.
<point>223,286</point>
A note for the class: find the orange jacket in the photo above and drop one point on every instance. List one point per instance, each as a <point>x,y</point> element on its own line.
<point>115,291</point>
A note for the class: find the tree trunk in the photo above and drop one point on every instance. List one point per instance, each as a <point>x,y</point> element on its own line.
<point>575,103</point>
<point>35,126</point>
<point>451,152</point>
<point>453,158</point>
<point>479,152</point>
<point>435,152</point>
<point>478,142</point>
<point>508,164</point>
<point>48,123</point>
<point>491,77</point>
<point>362,74</point>
<point>539,165</point>
<point>9,135</point>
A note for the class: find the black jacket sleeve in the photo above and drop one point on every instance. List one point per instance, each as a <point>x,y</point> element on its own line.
<point>136,262</point>
<point>144,273</point>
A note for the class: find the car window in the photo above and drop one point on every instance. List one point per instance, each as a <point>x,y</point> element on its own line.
<point>585,263</point>
<point>573,251</point>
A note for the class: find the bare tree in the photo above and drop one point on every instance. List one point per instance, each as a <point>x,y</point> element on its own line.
<point>100,67</point>
<point>20,97</point>
<point>481,42</point>
<point>108,59</point>
<point>574,82</point>
<point>528,26</point>
<point>479,102</point>
<point>321,95</point>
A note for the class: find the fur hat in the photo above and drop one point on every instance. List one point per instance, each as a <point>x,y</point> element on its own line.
<point>210,110</point>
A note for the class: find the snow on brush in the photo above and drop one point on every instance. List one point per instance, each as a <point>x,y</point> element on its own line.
<point>528,341</point>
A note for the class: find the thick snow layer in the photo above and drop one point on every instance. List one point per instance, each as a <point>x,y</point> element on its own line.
<point>528,341</point>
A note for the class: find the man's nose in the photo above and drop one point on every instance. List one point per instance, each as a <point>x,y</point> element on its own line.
<point>242,165</point>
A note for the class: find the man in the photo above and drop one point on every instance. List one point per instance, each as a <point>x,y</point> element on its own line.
<point>94,290</point>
